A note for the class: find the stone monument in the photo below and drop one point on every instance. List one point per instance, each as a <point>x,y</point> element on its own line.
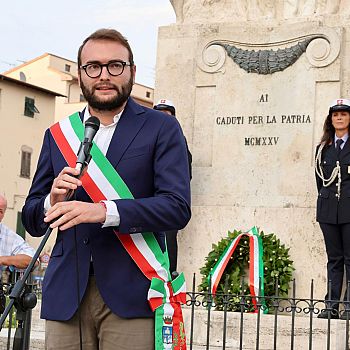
<point>252,81</point>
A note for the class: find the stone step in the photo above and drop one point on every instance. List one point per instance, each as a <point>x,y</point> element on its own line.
<point>37,339</point>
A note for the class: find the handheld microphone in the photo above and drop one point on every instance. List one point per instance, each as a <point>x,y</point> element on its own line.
<point>83,157</point>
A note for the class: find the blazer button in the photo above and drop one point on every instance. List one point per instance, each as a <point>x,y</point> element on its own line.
<point>132,229</point>
<point>86,240</point>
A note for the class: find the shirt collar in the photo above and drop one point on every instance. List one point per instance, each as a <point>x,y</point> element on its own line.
<point>116,118</point>
<point>344,138</point>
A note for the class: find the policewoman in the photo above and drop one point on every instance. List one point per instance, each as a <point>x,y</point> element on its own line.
<point>333,203</point>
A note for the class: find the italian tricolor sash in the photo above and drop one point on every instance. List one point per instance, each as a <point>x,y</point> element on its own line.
<point>102,182</point>
<point>256,265</point>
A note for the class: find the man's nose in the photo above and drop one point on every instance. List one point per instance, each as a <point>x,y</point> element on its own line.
<point>104,73</point>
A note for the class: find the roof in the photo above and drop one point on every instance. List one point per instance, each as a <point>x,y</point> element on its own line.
<point>33,60</point>
<point>24,84</point>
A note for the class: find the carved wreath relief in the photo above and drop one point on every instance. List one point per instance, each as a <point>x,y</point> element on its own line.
<point>266,61</point>
<point>318,49</point>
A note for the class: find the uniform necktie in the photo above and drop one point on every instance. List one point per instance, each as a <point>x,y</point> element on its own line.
<point>339,142</point>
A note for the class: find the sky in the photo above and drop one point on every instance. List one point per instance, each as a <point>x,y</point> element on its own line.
<point>31,28</point>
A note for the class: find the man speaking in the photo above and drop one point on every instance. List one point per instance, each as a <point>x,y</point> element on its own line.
<point>109,251</point>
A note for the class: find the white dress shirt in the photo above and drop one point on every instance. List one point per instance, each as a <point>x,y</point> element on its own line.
<point>344,138</point>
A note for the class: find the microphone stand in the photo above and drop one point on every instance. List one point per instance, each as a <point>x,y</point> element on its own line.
<point>24,300</point>
<point>21,295</point>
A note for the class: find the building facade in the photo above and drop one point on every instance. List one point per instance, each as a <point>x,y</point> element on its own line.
<point>26,111</point>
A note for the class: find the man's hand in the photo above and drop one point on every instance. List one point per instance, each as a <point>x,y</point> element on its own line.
<point>21,261</point>
<point>63,183</point>
<point>74,212</point>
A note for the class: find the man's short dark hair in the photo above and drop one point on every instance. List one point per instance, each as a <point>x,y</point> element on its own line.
<point>107,34</point>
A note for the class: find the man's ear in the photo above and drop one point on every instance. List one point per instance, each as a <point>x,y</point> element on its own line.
<point>133,73</point>
<point>79,77</point>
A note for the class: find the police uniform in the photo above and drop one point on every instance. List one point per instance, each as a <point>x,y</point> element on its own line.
<point>333,205</point>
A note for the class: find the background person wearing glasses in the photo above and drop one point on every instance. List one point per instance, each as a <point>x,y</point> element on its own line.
<point>333,203</point>
<point>106,291</point>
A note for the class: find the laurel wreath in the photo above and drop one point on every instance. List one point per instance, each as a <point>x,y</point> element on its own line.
<point>278,270</point>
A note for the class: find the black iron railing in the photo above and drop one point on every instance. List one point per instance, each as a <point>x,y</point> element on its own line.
<point>293,323</point>
<point>272,322</point>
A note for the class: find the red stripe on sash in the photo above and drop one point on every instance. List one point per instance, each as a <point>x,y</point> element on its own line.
<point>91,189</point>
<point>63,144</point>
<point>136,255</point>
<point>179,339</point>
<point>66,150</point>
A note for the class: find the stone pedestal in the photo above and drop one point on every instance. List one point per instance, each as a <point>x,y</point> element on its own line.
<point>252,90</point>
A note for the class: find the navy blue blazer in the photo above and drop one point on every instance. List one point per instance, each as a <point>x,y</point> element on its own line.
<point>149,152</point>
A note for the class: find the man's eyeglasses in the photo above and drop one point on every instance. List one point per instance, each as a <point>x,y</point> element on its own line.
<point>114,68</point>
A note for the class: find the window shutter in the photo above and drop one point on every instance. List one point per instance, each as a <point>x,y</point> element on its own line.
<point>25,164</point>
<point>29,107</point>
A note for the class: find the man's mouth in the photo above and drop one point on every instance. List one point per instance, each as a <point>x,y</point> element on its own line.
<point>104,87</point>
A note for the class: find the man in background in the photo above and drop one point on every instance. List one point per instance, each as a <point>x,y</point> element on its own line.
<point>167,107</point>
<point>14,250</point>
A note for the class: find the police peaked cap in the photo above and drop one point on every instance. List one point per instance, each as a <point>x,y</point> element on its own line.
<point>340,104</point>
<point>164,104</point>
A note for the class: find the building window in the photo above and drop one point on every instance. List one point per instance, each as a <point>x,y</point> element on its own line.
<point>19,227</point>
<point>148,94</point>
<point>29,107</point>
<point>67,68</point>
<point>22,77</point>
<point>26,156</point>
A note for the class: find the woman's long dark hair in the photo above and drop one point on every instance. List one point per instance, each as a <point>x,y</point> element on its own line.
<point>328,130</point>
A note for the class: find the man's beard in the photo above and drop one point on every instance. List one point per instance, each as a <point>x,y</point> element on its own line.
<point>111,104</point>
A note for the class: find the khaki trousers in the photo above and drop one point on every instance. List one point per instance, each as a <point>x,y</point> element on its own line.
<point>101,329</point>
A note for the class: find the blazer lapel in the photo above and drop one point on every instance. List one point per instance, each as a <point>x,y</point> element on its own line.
<point>81,114</point>
<point>130,123</point>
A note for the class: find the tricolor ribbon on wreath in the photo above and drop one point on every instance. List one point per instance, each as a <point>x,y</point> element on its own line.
<point>256,265</point>
<point>102,182</point>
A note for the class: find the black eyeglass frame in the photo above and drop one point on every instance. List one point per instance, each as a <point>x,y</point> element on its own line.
<point>84,67</point>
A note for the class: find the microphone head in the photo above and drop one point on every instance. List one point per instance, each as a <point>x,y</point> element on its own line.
<point>93,122</point>
<point>83,157</point>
